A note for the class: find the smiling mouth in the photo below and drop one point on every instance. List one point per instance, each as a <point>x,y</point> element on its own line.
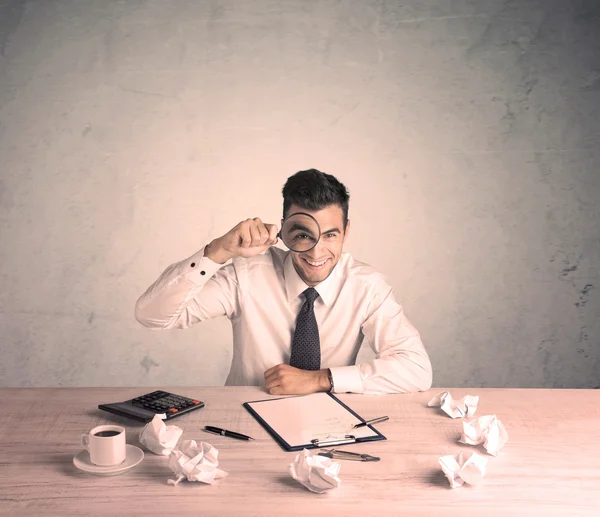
<point>315,264</point>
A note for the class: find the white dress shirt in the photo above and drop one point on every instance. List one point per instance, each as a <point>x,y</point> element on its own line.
<point>262,296</point>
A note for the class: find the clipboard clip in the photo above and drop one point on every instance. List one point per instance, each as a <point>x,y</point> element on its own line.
<point>349,438</point>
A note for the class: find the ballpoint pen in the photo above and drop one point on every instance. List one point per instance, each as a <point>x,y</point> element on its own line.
<point>225,432</point>
<point>341,440</point>
<point>373,421</point>
<point>347,455</point>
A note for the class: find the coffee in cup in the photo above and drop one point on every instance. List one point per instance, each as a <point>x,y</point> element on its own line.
<point>106,434</point>
<point>106,445</point>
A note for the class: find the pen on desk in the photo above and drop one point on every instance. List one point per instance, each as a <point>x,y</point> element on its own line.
<point>373,421</point>
<point>347,455</point>
<point>225,432</point>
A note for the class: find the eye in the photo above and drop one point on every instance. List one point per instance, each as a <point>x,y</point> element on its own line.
<point>302,236</point>
<point>331,235</point>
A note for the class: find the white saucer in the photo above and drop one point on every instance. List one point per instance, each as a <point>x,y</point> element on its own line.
<point>134,455</point>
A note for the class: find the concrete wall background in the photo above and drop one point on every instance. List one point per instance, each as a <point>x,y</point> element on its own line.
<point>132,132</point>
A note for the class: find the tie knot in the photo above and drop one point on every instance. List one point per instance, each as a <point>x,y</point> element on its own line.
<point>311,294</point>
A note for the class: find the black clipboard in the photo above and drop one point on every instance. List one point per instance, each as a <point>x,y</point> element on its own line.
<point>313,444</point>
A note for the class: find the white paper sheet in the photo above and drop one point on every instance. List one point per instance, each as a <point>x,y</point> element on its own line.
<point>160,438</point>
<point>460,408</point>
<point>487,430</point>
<point>464,467</point>
<point>196,462</point>
<point>317,473</point>
<point>298,420</point>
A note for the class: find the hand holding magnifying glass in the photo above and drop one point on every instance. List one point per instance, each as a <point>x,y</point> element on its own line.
<point>300,232</point>
<point>246,239</point>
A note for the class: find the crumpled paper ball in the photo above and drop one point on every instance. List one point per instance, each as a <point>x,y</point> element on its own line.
<point>196,462</point>
<point>487,430</point>
<point>465,406</point>
<point>317,473</point>
<point>464,467</point>
<point>160,438</point>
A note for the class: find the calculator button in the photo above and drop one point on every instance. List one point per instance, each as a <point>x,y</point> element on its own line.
<point>164,402</point>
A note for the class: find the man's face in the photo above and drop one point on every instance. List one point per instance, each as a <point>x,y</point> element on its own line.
<point>316,265</point>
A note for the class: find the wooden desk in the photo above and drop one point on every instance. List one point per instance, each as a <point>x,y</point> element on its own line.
<point>550,465</point>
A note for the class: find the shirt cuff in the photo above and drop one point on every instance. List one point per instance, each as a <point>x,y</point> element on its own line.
<point>347,379</point>
<point>198,268</point>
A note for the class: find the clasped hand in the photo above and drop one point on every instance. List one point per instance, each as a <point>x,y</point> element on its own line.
<point>284,379</point>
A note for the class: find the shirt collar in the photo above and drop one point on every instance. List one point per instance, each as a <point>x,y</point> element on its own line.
<point>328,289</point>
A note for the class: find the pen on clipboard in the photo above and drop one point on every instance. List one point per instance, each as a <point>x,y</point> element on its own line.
<point>349,438</point>
<point>373,421</point>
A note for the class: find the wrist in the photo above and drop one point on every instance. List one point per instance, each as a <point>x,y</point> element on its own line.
<point>325,380</point>
<point>217,253</point>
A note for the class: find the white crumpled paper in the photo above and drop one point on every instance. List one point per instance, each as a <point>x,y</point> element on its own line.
<point>455,408</point>
<point>317,473</point>
<point>196,462</point>
<point>464,467</point>
<point>487,430</point>
<point>160,438</point>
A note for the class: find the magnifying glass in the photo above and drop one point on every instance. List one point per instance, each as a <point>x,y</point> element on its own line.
<point>300,232</point>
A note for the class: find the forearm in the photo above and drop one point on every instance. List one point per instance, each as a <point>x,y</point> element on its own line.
<point>404,371</point>
<point>401,364</point>
<point>199,288</point>
<point>165,303</point>
<point>217,253</point>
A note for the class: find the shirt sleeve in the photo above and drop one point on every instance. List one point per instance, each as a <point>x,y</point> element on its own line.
<point>401,364</point>
<point>190,291</point>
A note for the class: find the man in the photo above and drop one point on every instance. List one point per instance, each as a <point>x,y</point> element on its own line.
<point>298,318</point>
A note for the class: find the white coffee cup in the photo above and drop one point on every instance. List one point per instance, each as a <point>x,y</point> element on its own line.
<point>106,445</point>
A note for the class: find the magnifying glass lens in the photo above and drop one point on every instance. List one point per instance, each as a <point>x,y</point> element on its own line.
<point>300,232</point>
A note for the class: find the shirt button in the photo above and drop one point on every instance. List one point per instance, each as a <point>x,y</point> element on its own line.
<point>203,273</point>
<point>193,264</point>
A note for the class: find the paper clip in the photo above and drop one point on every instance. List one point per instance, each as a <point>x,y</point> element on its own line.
<point>349,438</point>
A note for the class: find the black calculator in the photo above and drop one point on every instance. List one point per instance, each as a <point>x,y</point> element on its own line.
<point>167,405</point>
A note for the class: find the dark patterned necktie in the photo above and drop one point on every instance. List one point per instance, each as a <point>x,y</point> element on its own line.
<point>306,346</point>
